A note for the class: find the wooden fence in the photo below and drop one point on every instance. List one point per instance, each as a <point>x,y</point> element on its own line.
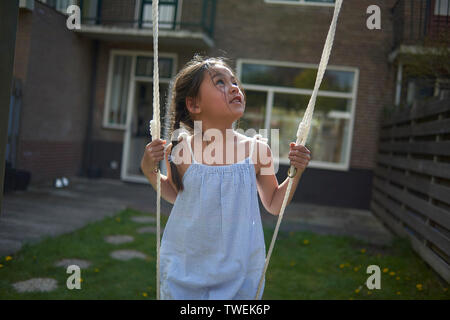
<point>411,186</point>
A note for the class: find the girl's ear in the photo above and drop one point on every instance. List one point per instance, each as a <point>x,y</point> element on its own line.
<point>191,105</point>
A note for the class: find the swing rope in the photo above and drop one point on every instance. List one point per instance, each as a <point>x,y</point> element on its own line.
<point>303,128</point>
<point>302,132</point>
<point>155,130</point>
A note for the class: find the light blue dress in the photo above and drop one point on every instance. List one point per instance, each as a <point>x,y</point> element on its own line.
<point>213,243</point>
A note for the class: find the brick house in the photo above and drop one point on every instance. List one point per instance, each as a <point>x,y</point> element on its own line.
<point>86,95</point>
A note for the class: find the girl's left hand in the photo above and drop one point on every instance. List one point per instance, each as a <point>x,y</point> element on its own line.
<point>299,156</point>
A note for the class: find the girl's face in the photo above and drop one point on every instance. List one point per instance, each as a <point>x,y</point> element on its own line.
<point>220,97</point>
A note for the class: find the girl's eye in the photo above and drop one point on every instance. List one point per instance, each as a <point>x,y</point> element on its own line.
<point>220,81</point>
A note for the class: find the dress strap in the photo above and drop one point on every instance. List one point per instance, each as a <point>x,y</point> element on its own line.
<point>252,147</point>
<point>188,140</point>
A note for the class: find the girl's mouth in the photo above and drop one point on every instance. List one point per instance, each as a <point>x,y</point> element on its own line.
<point>236,100</point>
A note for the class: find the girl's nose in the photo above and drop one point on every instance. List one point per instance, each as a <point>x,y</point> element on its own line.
<point>234,88</point>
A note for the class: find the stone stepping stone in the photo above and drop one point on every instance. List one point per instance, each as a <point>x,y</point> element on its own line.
<point>126,255</point>
<point>83,264</point>
<point>143,219</point>
<point>119,239</point>
<point>149,230</point>
<point>36,285</point>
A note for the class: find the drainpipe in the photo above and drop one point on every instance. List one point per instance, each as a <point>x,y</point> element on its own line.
<point>9,11</point>
<point>88,170</point>
<point>398,87</point>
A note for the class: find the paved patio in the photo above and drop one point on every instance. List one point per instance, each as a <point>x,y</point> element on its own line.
<point>42,211</point>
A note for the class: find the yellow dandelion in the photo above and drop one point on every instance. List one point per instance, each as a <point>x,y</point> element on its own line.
<point>369,292</point>
<point>419,286</point>
<point>363,250</point>
<point>8,258</point>
<point>81,279</point>
<point>306,241</point>
<point>445,289</point>
<point>96,270</point>
<point>319,270</point>
<point>392,273</point>
<point>341,266</point>
<point>355,269</point>
<point>118,219</point>
<point>356,290</point>
<point>1,266</point>
<point>385,270</point>
<point>292,263</point>
<point>397,278</point>
<point>350,298</point>
<point>144,294</point>
<point>398,293</point>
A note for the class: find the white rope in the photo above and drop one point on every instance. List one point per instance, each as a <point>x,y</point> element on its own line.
<point>304,126</point>
<point>155,130</point>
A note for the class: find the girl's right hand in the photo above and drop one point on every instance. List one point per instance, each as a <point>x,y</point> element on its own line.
<point>153,154</point>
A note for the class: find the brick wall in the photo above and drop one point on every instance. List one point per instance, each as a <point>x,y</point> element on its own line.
<point>55,96</point>
<point>113,11</point>
<point>22,49</point>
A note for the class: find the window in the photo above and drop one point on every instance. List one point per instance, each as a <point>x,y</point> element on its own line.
<point>278,94</point>
<point>119,88</point>
<point>60,5</point>
<point>328,3</point>
<point>442,7</point>
<point>167,12</point>
<point>125,68</point>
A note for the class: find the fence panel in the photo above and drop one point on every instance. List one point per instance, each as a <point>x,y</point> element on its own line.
<point>411,189</point>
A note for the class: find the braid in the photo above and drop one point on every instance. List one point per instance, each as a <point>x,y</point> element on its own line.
<point>173,168</point>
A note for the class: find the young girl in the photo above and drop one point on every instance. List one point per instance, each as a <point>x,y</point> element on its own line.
<point>213,243</point>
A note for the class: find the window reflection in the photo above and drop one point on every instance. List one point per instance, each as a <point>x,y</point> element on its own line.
<point>255,110</point>
<point>301,78</point>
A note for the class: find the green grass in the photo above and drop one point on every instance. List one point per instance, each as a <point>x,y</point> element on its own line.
<point>321,268</point>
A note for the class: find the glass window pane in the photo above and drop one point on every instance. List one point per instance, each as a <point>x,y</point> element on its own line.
<point>328,138</point>
<point>119,89</point>
<point>255,111</point>
<point>144,67</point>
<point>328,135</point>
<point>294,77</point>
<point>166,13</point>
<point>144,107</point>
<point>287,112</point>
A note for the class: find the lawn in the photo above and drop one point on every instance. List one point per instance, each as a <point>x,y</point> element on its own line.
<point>304,265</point>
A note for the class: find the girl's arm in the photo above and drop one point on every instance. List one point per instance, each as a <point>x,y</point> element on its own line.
<point>168,193</point>
<point>272,194</point>
<point>155,152</point>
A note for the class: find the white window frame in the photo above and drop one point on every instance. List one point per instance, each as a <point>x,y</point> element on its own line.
<point>271,90</point>
<point>134,54</point>
<point>302,3</point>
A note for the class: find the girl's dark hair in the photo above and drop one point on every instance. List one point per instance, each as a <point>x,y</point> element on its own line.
<point>187,84</point>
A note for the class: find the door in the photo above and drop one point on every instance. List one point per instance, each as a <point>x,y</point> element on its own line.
<point>139,128</point>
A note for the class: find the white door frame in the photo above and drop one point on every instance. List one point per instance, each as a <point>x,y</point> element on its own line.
<point>130,107</point>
